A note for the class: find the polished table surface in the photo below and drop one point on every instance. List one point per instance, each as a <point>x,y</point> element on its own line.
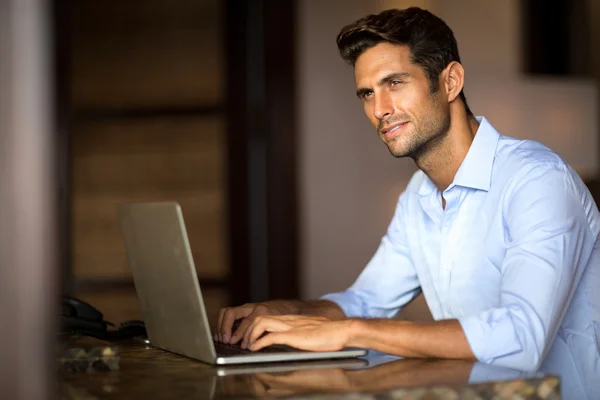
<point>141,371</point>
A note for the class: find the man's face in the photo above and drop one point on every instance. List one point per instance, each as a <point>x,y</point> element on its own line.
<point>398,101</point>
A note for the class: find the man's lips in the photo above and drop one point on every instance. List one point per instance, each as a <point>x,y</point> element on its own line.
<point>390,130</point>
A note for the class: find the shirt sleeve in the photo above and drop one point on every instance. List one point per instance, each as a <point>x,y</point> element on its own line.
<point>389,280</point>
<point>549,243</point>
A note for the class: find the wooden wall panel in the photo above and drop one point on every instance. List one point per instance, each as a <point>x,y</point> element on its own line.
<point>147,53</point>
<point>153,160</point>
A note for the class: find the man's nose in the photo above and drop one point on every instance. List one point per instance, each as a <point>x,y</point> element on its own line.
<point>383,106</point>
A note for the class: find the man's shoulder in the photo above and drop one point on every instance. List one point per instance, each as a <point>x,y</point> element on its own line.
<point>527,165</point>
<point>515,157</point>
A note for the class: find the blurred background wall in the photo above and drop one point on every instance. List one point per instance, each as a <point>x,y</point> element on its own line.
<point>245,114</point>
<point>178,101</point>
<point>141,104</point>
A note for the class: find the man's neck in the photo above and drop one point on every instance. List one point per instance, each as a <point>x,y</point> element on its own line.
<point>442,161</point>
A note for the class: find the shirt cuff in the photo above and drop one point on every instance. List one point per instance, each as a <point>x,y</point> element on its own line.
<point>350,304</point>
<point>491,334</point>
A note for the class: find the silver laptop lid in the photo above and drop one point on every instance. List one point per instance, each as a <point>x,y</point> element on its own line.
<point>165,279</point>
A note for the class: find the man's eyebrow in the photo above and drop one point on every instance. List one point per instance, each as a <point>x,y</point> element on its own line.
<point>393,76</point>
<point>383,81</point>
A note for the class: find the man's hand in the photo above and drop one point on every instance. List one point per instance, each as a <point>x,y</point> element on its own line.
<point>247,312</point>
<point>302,332</point>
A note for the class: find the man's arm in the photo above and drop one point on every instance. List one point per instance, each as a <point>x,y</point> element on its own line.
<point>440,339</point>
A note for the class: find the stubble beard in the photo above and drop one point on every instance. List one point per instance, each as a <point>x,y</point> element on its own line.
<point>420,141</point>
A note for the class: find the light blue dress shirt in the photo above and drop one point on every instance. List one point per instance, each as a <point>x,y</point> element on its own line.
<point>514,256</point>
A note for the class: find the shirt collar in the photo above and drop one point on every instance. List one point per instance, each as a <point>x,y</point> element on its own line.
<point>476,169</point>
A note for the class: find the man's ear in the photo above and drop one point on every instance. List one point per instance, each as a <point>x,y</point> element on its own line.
<point>454,80</point>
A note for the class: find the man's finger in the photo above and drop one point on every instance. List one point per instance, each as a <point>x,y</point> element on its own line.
<point>255,320</point>
<point>267,325</point>
<point>219,337</point>
<point>256,323</point>
<point>241,330</point>
<point>229,317</point>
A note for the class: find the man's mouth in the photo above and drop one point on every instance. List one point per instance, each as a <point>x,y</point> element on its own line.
<point>394,129</point>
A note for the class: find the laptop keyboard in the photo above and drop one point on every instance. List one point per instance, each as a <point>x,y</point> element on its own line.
<point>224,349</point>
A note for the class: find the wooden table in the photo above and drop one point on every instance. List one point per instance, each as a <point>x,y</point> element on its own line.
<point>146,372</point>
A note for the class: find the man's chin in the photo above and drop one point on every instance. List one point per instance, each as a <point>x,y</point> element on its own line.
<point>397,147</point>
<point>398,152</point>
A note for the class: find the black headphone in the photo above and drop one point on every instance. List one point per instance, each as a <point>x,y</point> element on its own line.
<point>79,317</point>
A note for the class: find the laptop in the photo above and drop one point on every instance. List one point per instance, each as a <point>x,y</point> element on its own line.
<point>169,293</point>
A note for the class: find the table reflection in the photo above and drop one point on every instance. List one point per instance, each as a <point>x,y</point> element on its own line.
<point>147,372</point>
<point>578,373</point>
<point>375,376</point>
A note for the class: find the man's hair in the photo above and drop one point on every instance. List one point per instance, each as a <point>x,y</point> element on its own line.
<point>430,40</point>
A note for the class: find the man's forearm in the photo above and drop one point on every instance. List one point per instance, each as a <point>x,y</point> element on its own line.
<point>441,339</point>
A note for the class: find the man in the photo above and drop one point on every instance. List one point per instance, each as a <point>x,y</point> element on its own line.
<point>499,234</point>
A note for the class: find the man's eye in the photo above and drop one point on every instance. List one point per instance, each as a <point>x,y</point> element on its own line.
<point>366,95</point>
<point>395,83</point>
